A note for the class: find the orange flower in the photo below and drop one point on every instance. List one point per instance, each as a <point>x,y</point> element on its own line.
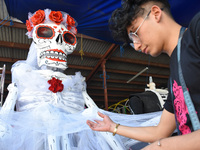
<point>69,28</point>
<point>28,25</point>
<point>56,16</point>
<point>38,17</point>
<point>70,20</point>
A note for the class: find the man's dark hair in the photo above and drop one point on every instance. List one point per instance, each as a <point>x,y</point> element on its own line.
<point>130,9</point>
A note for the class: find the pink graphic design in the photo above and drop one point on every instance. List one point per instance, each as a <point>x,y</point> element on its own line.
<point>181,108</point>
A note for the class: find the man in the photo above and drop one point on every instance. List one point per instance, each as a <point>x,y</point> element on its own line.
<point>152,30</point>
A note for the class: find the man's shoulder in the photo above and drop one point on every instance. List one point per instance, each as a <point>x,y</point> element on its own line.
<point>197,15</point>
<point>195,19</point>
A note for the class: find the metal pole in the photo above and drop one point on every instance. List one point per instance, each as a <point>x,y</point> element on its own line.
<point>2,82</point>
<point>137,75</point>
<point>105,85</point>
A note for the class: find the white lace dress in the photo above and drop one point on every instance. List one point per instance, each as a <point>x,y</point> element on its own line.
<point>41,113</point>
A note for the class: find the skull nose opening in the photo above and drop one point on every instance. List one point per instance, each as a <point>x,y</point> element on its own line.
<point>59,39</point>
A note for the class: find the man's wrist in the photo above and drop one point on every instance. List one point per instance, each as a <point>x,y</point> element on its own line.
<point>112,127</point>
<point>115,129</point>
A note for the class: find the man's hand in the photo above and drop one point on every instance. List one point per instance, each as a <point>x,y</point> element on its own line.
<point>106,125</point>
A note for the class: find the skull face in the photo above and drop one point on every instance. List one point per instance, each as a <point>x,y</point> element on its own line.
<point>53,43</point>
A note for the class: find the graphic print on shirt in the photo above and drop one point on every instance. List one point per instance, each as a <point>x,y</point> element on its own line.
<point>180,108</point>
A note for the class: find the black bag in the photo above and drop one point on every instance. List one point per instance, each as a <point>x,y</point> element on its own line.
<point>145,102</point>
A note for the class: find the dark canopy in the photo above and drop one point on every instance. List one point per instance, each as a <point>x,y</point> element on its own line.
<point>92,15</point>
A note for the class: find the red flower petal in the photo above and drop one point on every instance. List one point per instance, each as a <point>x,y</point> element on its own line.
<point>56,16</point>
<point>38,17</point>
<point>56,85</point>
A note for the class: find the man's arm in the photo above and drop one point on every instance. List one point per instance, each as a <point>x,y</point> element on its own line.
<point>184,142</point>
<point>164,129</point>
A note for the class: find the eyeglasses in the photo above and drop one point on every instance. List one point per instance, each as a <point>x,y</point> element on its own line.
<point>133,35</point>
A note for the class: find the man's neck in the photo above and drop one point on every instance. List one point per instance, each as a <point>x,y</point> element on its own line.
<point>172,30</point>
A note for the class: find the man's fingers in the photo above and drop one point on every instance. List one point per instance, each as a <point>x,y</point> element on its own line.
<point>90,123</point>
<point>101,115</point>
<point>98,121</point>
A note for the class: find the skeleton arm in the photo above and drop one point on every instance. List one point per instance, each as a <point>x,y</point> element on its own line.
<point>88,101</point>
<point>10,101</point>
<point>8,107</point>
<point>112,141</point>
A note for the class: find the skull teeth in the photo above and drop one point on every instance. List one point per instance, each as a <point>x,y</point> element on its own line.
<point>53,54</point>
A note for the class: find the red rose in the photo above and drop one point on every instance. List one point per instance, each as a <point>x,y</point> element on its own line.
<point>28,25</point>
<point>70,20</point>
<point>56,16</point>
<point>56,85</point>
<point>38,17</point>
<point>69,28</point>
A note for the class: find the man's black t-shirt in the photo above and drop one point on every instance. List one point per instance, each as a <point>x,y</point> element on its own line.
<point>190,64</point>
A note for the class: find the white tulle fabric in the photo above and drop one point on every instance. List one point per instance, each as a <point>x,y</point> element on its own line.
<point>41,112</point>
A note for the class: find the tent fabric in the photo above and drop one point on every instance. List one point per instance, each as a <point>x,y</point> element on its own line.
<point>93,15</point>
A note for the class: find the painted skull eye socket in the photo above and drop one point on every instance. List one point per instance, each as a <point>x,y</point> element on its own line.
<point>69,38</point>
<point>45,32</point>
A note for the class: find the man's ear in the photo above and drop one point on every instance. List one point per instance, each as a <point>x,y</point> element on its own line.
<point>156,12</point>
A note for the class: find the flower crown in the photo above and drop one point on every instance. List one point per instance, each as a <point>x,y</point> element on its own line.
<point>47,16</point>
